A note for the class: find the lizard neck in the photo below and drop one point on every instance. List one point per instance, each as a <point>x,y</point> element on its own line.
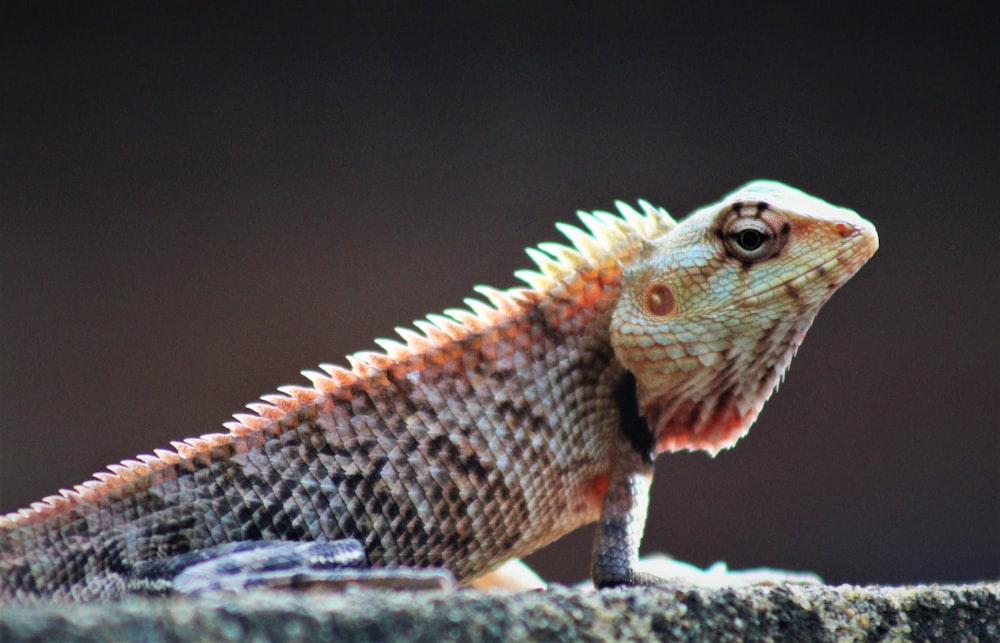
<point>712,409</point>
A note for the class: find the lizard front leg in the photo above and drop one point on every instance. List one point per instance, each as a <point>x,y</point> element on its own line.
<point>623,517</point>
<point>623,512</point>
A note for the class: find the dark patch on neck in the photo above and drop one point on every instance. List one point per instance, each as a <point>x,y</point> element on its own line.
<point>633,424</point>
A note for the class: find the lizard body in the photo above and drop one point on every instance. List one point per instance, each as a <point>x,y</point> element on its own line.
<point>495,429</point>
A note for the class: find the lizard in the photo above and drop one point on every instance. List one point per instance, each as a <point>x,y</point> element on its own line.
<point>484,434</point>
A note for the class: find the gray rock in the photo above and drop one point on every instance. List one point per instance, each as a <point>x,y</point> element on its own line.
<point>676,612</point>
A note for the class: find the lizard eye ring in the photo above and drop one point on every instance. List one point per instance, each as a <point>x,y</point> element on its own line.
<point>754,238</point>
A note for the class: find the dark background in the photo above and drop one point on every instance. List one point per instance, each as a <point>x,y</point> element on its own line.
<point>197,204</point>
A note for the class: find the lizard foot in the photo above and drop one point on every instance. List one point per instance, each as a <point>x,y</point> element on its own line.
<point>657,569</point>
<point>240,566</point>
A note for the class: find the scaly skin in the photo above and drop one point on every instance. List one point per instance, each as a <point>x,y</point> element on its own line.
<point>495,430</point>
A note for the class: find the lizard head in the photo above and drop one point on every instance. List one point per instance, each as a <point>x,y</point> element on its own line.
<point>712,312</point>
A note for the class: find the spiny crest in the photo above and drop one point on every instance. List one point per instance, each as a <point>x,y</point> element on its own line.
<point>606,235</point>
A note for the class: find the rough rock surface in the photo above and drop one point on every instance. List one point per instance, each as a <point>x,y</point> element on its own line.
<point>782,612</point>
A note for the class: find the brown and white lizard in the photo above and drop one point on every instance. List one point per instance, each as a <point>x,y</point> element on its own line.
<point>486,434</point>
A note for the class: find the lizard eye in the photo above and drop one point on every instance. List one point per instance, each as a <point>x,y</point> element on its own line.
<point>749,239</point>
<point>755,237</point>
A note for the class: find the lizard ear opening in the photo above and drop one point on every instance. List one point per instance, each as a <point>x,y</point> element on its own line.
<point>659,300</point>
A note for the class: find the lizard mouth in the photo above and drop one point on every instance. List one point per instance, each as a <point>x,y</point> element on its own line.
<point>849,260</point>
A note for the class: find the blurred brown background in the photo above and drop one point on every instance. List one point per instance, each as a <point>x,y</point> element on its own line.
<point>195,204</point>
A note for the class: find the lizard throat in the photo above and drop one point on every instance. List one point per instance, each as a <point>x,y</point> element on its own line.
<point>699,425</point>
<point>711,410</point>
